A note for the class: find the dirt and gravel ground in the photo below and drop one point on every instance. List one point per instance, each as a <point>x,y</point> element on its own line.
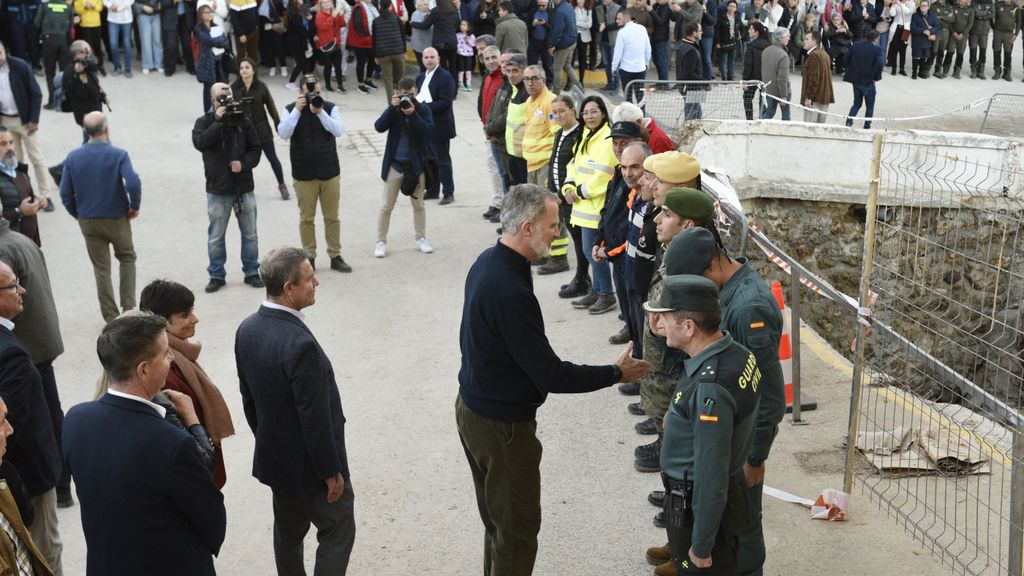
<point>391,329</point>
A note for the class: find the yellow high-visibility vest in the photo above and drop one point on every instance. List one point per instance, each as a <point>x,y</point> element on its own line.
<point>539,136</point>
<point>590,171</point>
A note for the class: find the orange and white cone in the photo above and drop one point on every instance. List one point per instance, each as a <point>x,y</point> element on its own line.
<point>786,355</point>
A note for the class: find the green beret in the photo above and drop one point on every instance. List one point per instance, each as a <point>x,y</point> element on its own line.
<point>690,252</point>
<point>685,292</point>
<point>689,203</point>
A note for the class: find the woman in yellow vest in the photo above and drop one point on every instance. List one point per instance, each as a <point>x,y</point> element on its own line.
<point>586,183</point>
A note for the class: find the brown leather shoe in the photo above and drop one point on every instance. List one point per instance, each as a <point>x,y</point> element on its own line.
<point>666,569</point>
<point>658,555</point>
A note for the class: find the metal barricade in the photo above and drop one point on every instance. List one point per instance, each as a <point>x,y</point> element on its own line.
<point>672,104</point>
<point>1003,116</point>
<point>934,432</point>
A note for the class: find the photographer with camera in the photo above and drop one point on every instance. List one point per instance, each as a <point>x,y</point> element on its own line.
<point>82,91</point>
<point>231,149</point>
<point>408,124</point>
<point>312,124</point>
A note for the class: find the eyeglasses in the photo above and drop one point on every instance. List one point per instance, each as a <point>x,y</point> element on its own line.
<point>531,78</point>
<point>16,285</point>
<point>590,112</point>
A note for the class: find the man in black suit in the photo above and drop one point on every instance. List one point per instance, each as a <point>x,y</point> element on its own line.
<point>33,451</point>
<point>149,505</point>
<point>435,87</point>
<point>292,403</point>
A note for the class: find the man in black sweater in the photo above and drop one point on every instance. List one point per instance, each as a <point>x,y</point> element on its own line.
<point>508,369</point>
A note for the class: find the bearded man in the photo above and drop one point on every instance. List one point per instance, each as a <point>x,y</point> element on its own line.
<point>20,204</point>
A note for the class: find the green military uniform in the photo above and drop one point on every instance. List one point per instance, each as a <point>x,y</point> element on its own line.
<point>979,36</point>
<point>707,440</point>
<point>1005,28</point>
<point>944,12</point>
<point>963,21</point>
<point>666,365</point>
<point>53,21</point>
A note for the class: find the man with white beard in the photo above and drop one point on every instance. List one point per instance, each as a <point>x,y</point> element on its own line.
<point>20,204</point>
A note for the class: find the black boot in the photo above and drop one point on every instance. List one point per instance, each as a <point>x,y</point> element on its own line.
<point>997,73</point>
<point>1006,74</point>
<point>578,287</point>
<point>914,65</point>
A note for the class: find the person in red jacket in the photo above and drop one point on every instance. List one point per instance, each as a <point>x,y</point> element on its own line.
<point>658,141</point>
<point>327,42</point>
<point>360,40</point>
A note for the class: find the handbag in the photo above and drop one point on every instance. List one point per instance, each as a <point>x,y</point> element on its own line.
<point>905,35</point>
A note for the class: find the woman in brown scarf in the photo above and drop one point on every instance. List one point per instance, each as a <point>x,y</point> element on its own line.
<point>175,303</point>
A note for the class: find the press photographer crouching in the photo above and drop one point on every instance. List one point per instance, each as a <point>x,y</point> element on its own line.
<point>231,149</point>
<point>312,124</point>
<point>408,124</point>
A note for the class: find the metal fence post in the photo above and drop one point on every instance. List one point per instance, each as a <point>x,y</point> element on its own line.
<point>865,289</point>
<point>1015,564</point>
<point>984,119</point>
<point>794,338</point>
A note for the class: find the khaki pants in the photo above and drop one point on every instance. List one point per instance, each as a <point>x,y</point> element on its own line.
<point>328,193</point>
<point>504,458</point>
<point>44,530</point>
<point>23,141</point>
<point>392,68</point>
<point>392,188</point>
<point>816,115</point>
<point>248,49</point>
<point>100,234</point>
<point>562,68</point>
<point>539,176</point>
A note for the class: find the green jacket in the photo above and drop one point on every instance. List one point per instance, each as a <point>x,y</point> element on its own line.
<point>54,19</point>
<point>982,17</point>
<point>751,315</point>
<point>963,19</point>
<point>708,431</point>
<point>1006,18</point>
<point>946,15</point>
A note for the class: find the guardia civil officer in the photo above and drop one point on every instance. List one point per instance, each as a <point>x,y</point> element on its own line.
<point>708,428</point>
<point>751,315</point>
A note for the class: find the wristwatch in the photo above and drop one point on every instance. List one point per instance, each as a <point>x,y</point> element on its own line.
<point>755,461</point>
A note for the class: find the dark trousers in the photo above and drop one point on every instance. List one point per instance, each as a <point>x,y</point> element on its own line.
<point>55,57</point>
<point>335,532</point>
<point>897,50</point>
<point>329,61</point>
<point>635,93</point>
<point>619,281</point>
<point>303,65</point>
<point>749,94</point>
<point>582,264</point>
<point>56,418</point>
<point>751,551</point>
<point>185,26</point>
<point>866,94</point>
<point>516,170</point>
<point>272,48</point>
<point>638,321</point>
<point>504,459</point>
<point>446,182</point>
<point>94,36</point>
<point>537,53</point>
<point>170,42</point>
<point>275,164</point>
<point>364,63</point>
<point>978,45</point>
<point>679,516</point>
<point>25,42</point>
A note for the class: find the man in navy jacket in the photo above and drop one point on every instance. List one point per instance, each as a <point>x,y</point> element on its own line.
<point>149,505</point>
<point>23,120</point>
<point>563,43</point>
<point>864,64</point>
<point>293,407</point>
<point>435,87</point>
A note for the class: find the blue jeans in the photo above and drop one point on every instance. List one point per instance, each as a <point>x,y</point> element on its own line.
<point>600,271</point>
<point>150,41</point>
<point>607,54</point>
<point>866,94</point>
<point>769,110</point>
<point>707,44</point>
<point>496,153</point>
<point>117,32</point>
<point>659,53</point>
<point>727,63</point>
<point>219,209</point>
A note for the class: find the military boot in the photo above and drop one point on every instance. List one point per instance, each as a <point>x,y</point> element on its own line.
<point>956,73</point>
<point>997,73</point>
<point>554,265</point>
<point>974,71</point>
<point>647,449</point>
<point>1006,74</point>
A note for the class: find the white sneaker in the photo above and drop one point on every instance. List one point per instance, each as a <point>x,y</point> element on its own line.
<point>160,70</point>
<point>292,86</point>
<point>273,71</point>
<point>380,250</point>
<point>284,72</point>
<point>424,246</point>
<point>145,71</point>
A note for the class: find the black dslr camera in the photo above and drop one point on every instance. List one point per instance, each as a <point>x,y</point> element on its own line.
<point>312,96</point>
<point>87,62</point>
<point>406,102</point>
<point>233,113</point>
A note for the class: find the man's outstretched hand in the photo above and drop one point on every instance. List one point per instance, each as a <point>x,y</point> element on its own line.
<point>631,368</point>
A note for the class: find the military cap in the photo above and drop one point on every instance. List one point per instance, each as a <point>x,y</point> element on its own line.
<point>690,252</point>
<point>625,130</point>
<point>673,167</point>
<point>685,292</point>
<point>689,203</point>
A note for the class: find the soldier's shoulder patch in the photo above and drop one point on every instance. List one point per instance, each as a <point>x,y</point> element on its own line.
<point>707,414</point>
<point>756,325</point>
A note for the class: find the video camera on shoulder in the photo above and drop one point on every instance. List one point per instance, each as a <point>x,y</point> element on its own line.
<point>313,97</point>
<point>233,113</point>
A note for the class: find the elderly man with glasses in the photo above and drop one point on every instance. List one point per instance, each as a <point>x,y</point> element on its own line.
<point>539,135</point>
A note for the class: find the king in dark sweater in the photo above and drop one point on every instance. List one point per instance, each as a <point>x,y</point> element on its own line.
<point>508,369</point>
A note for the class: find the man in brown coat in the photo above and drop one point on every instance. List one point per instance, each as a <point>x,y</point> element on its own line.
<point>816,90</point>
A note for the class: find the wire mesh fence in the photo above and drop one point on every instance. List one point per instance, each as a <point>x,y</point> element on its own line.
<point>672,104</point>
<point>939,371</point>
<point>1002,116</point>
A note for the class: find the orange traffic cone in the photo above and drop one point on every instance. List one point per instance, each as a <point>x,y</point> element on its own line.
<point>786,355</point>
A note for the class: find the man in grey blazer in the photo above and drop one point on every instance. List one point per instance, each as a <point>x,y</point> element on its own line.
<point>292,404</point>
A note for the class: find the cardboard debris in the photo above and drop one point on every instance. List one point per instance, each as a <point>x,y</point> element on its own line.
<point>921,451</point>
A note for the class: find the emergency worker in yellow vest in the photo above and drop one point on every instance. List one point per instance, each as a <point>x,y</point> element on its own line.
<point>515,119</point>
